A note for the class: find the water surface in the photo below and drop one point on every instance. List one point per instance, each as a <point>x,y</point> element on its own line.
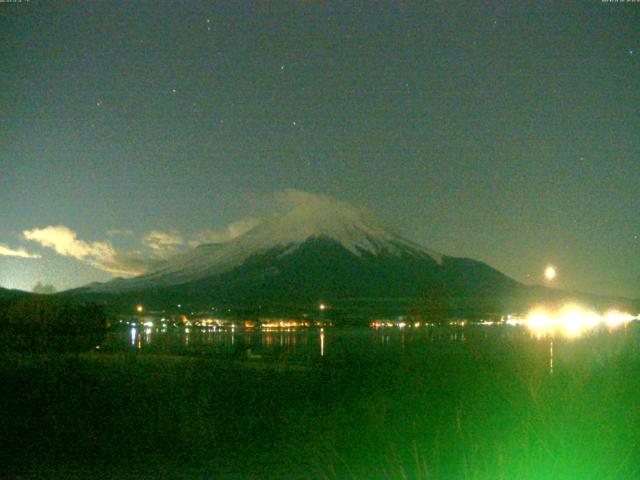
<point>480,402</point>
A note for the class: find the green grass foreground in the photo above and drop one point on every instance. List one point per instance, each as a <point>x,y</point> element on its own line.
<point>468,414</point>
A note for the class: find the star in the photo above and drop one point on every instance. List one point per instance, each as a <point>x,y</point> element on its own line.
<point>99,103</point>
<point>631,51</point>
<point>173,90</point>
<point>281,67</point>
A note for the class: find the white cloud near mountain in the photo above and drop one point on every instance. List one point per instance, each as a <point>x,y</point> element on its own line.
<point>163,244</point>
<point>16,252</point>
<point>65,242</point>
<point>227,233</point>
<point>157,245</point>
<point>127,264</point>
<point>101,255</point>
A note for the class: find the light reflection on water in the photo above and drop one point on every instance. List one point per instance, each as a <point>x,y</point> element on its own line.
<point>309,344</point>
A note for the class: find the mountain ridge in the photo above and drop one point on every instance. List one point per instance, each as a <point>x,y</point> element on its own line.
<point>353,228</point>
<point>331,252</point>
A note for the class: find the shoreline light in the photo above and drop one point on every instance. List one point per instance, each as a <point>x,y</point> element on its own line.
<point>571,321</point>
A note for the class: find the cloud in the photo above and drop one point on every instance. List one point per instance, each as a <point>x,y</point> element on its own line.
<point>314,205</point>
<point>101,255</point>
<point>163,244</point>
<point>127,264</point>
<point>65,242</point>
<point>227,233</point>
<point>20,252</point>
<point>291,199</point>
<point>156,246</point>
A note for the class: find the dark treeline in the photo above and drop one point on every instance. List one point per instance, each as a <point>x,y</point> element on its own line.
<point>41,323</point>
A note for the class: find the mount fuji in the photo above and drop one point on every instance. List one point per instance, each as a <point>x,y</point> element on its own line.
<point>321,251</point>
<point>322,222</point>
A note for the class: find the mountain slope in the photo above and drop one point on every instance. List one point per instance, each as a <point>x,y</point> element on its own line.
<point>6,294</point>
<point>350,227</point>
<point>325,251</point>
<point>323,270</point>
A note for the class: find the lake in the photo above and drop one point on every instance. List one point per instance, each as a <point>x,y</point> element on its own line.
<point>313,345</point>
<point>472,402</point>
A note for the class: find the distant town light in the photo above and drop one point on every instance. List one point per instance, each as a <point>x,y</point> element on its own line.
<point>572,321</point>
<point>615,318</point>
<point>322,306</point>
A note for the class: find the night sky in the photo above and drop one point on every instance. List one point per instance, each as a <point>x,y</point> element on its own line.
<point>508,132</point>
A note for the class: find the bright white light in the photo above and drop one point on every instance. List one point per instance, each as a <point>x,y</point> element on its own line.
<point>550,272</point>
<point>572,321</point>
<point>615,318</point>
<point>576,320</point>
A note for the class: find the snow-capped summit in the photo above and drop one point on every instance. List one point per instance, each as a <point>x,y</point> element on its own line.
<point>318,249</point>
<point>324,217</point>
<point>308,217</point>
